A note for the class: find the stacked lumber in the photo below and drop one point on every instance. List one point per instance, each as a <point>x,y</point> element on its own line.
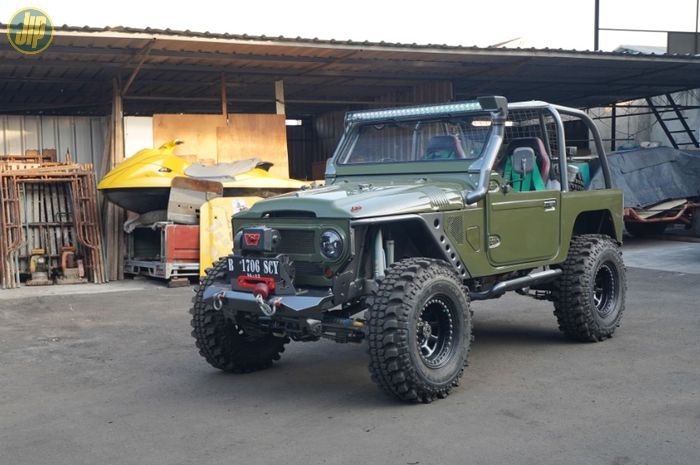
<point>31,156</point>
<point>113,217</point>
<point>51,205</point>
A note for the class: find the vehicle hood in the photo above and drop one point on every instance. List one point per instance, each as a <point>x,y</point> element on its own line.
<point>348,199</point>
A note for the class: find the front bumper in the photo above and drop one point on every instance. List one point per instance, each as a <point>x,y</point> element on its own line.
<point>306,303</point>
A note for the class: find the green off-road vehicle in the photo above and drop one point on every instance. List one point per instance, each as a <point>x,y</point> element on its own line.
<point>425,209</point>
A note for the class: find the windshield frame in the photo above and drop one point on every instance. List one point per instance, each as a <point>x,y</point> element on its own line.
<point>352,133</point>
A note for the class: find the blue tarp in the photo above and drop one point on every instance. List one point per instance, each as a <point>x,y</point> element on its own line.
<point>650,176</point>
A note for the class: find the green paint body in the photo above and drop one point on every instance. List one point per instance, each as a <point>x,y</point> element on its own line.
<point>503,232</point>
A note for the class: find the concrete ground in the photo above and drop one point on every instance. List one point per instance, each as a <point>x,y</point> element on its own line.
<point>665,255</point>
<point>113,378</point>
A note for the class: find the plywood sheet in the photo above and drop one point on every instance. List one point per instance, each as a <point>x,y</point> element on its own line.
<point>261,136</point>
<point>660,208</point>
<point>197,131</point>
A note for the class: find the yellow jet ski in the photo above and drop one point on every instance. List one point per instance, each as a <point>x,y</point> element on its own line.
<point>142,182</point>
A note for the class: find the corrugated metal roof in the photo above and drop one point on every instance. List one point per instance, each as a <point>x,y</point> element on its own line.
<point>655,51</point>
<point>182,72</point>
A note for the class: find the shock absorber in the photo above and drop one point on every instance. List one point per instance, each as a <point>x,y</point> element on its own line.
<point>343,329</point>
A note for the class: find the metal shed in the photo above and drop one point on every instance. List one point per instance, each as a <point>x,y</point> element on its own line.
<point>166,71</point>
<point>89,78</point>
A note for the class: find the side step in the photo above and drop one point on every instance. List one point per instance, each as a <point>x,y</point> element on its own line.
<point>517,283</point>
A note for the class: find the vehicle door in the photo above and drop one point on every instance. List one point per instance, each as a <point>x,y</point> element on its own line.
<point>522,213</point>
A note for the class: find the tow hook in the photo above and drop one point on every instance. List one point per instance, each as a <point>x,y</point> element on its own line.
<point>266,308</point>
<point>218,301</point>
<point>261,292</point>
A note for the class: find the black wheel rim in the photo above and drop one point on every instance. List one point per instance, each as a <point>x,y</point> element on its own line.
<point>436,332</point>
<point>605,290</point>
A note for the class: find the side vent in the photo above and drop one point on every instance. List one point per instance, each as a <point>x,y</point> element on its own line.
<point>455,229</point>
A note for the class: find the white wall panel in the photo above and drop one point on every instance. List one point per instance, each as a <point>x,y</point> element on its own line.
<point>138,134</point>
<point>83,136</point>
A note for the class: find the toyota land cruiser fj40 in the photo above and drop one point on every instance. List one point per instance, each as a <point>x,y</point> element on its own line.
<point>425,209</point>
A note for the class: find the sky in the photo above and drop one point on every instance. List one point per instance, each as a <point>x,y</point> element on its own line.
<point>537,23</point>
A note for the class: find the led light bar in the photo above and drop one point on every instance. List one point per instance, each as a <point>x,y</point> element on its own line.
<point>481,123</point>
<point>407,112</point>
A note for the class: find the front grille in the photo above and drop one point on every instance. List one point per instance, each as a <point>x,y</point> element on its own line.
<point>308,269</point>
<point>297,241</point>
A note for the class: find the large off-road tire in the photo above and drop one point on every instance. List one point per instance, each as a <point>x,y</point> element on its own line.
<point>589,297</point>
<point>645,229</point>
<point>222,342</point>
<point>420,330</point>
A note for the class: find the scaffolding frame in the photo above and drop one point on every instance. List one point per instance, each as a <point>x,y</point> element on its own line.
<point>81,181</point>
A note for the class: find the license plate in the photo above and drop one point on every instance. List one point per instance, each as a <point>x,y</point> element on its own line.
<point>254,267</point>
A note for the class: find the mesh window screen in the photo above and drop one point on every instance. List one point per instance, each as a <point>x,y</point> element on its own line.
<point>523,124</point>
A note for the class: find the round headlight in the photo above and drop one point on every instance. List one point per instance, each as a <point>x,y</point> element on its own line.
<point>331,245</point>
